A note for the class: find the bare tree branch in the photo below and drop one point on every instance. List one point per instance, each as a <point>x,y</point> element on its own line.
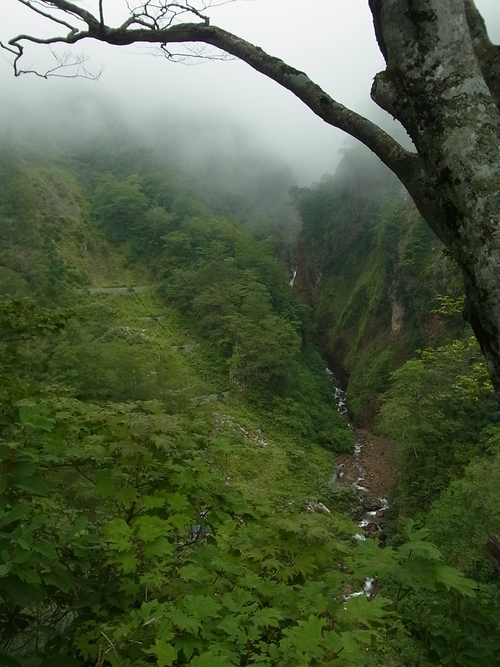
<point>67,61</point>
<point>46,15</point>
<point>101,13</point>
<point>193,55</point>
<point>157,22</point>
<point>68,8</point>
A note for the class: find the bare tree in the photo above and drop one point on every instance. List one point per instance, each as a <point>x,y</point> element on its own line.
<point>442,82</point>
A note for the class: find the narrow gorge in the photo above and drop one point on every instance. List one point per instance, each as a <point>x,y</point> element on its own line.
<point>181,482</point>
<point>370,470</point>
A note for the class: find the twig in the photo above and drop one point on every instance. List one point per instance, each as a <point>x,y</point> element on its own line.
<point>112,648</point>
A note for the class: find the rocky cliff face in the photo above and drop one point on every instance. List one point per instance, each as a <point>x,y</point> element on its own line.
<point>373,273</point>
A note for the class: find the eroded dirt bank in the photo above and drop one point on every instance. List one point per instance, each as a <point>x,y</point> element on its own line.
<point>376,457</point>
<point>371,471</point>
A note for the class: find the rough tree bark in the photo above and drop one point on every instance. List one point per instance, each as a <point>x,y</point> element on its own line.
<point>442,82</point>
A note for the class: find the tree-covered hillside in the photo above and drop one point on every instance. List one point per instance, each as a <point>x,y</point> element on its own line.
<point>167,444</point>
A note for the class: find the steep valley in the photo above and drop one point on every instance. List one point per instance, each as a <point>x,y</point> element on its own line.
<point>177,485</point>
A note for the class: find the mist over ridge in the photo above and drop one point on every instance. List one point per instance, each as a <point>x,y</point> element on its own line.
<point>333,42</point>
<point>224,163</point>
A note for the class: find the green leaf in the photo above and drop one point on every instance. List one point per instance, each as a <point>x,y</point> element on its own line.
<point>79,525</point>
<point>34,485</point>
<point>30,576</point>
<point>185,622</point>
<point>61,661</point>
<point>119,534</point>
<point>22,467</point>
<point>418,573</point>
<point>350,646</point>
<point>209,660</point>
<point>37,522</point>
<point>27,413</point>
<point>22,593</point>
<point>452,578</point>
<point>59,578</point>
<point>268,617</point>
<point>419,548</point>
<point>306,636</point>
<point>30,416</point>
<point>193,573</point>
<point>178,502</point>
<point>371,613</point>
<point>180,521</point>
<point>45,548</point>
<point>231,626</point>
<point>151,527</point>
<point>165,653</point>
<point>4,482</point>
<point>127,562</point>
<point>201,606</point>
<point>6,660</point>
<point>14,515</point>
<point>161,548</point>
<point>152,502</point>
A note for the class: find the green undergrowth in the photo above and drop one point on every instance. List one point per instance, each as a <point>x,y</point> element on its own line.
<point>266,460</point>
<point>131,347</point>
<point>117,529</point>
<point>99,224</point>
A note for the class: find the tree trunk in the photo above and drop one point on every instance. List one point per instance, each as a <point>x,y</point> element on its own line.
<point>493,546</point>
<point>435,86</point>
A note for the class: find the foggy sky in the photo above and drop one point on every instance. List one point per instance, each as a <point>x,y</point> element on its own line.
<point>331,40</point>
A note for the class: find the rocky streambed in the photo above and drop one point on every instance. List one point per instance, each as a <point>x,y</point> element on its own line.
<point>371,471</point>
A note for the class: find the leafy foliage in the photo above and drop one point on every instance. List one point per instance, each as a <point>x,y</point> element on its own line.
<point>121,543</point>
<point>466,514</point>
<point>236,298</point>
<point>118,205</point>
<point>451,616</point>
<point>435,410</point>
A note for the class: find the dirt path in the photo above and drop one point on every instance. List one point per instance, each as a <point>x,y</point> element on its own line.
<point>114,290</point>
<point>377,459</point>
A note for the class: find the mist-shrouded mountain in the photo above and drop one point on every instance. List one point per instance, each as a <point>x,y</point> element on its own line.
<point>169,438</point>
<point>227,166</point>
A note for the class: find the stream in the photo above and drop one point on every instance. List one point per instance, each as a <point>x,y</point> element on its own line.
<point>369,470</point>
